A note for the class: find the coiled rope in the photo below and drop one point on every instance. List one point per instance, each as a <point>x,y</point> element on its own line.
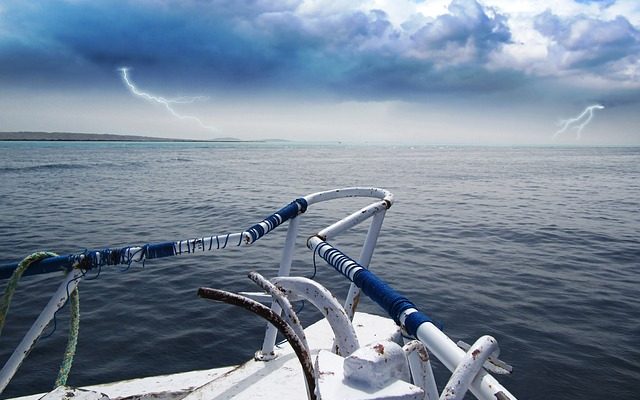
<point>72,340</point>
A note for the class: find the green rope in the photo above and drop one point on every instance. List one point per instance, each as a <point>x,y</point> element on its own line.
<point>72,341</point>
<point>13,282</point>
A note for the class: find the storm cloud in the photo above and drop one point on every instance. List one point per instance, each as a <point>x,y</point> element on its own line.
<point>457,54</point>
<point>586,43</point>
<point>353,52</point>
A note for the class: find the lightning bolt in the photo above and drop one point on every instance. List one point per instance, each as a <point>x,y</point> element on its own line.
<point>164,101</point>
<point>585,117</point>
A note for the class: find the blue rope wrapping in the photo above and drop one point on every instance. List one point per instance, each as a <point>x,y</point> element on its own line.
<point>159,250</point>
<point>414,320</point>
<point>377,290</point>
<point>287,212</point>
<point>90,259</point>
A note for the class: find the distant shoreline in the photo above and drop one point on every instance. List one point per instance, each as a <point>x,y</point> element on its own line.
<point>97,137</point>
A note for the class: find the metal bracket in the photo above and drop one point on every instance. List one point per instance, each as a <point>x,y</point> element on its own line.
<point>493,364</point>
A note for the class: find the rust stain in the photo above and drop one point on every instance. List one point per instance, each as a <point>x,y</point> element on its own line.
<point>422,353</point>
<point>379,348</point>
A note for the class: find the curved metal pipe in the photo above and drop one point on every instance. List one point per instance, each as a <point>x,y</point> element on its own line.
<point>346,341</point>
<point>468,368</point>
<point>277,321</point>
<point>420,367</point>
<point>279,296</point>
<point>377,193</point>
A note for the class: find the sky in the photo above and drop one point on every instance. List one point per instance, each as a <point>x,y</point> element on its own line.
<point>495,72</point>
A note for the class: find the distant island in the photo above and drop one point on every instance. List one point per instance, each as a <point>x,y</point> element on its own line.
<point>106,137</point>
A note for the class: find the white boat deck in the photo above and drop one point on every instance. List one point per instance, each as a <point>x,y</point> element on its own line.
<point>280,379</point>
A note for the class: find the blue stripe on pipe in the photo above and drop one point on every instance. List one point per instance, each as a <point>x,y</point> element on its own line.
<point>158,250</point>
<point>285,213</point>
<point>377,290</point>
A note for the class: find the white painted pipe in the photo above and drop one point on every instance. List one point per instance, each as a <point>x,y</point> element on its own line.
<point>271,333</point>
<point>484,386</point>
<point>29,340</point>
<point>353,297</point>
<point>352,220</point>
<point>420,367</point>
<point>289,313</point>
<point>346,340</point>
<point>349,192</point>
<point>468,368</point>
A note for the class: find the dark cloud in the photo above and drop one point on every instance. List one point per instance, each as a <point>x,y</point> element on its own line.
<point>589,44</point>
<point>469,29</point>
<point>251,45</point>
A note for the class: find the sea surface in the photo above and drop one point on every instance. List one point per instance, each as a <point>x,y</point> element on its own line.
<point>537,246</point>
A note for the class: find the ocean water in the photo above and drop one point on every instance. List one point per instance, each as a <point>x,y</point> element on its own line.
<point>538,247</point>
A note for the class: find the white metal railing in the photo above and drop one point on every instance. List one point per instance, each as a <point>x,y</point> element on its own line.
<point>376,210</point>
<point>467,367</point>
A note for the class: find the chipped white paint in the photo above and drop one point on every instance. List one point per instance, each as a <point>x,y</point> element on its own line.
<point>68,393</point>
<point>281,378</point>
<point>469,367</point>
<point>56,302</point>
<point>376,365</point>
<point>420,366</point>
<point>483,386</point>
<point>331,384</point>
<point>346,341</point>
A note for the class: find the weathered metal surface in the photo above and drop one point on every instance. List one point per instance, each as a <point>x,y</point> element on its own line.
<point>352,220</point>
<point>493,363</point>
<point>266,352</point>
<point>346,341</point>
<point>69,393</point>
<point>281,378</point>
<point>484,386</point>
<point>468,368</point>
<point>376,365</point>
<point>288,312</point>
<point>333,386</point>
<point>29,340</point>
<point>275,319</point>
<point>420,366</point>
<point>377,193</point>
<point>162,387</point>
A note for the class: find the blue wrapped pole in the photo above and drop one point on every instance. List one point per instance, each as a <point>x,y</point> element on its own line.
<point>400,308</point>
<point>95,258</point>
<point>274,220</point>
<point>123,256</point>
